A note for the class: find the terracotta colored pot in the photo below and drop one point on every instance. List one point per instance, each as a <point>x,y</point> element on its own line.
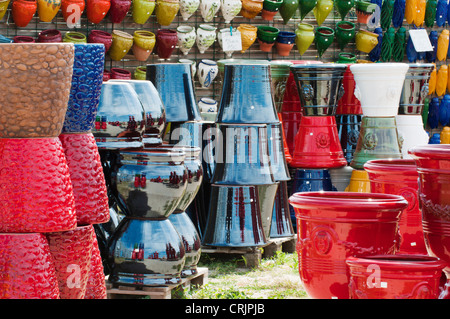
<point>332,226</point>
<point>99,36</point>
<point>394,277</point>
<point>96,10</point>
<point>166,41</point>
<point>285,42</point>
<point>71,252</point>
<point>143,44</point>
<point>38,197</point>
<point>27,268</point>
<point>121,44</point>
<point>434,194</point>
<point>71,12</point>
<point>400,177</point>
<point>118,10</point>
<point>47,9</point>
<point>50,35</point>
<point>23,11</point>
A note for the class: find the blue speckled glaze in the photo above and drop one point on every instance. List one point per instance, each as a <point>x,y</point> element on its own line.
<point>87,82</point>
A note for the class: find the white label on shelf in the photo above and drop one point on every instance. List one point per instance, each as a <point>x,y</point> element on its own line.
<point>420,40</point>
<point>231,41</point>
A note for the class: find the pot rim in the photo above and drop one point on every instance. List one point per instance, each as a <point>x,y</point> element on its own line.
<point>430,151</point>
<point>404,165</point>
<point>122,34</point>
<point>406,261</point>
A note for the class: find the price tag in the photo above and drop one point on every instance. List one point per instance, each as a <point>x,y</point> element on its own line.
<point>231,41</point>
<point>420,40</point>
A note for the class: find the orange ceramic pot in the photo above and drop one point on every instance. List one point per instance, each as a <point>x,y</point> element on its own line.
<point>96,10</point>
<point>23,11</point>
<point>251,8</point>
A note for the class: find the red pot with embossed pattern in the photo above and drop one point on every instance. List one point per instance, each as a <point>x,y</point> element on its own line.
<point>394,276</point>
<point>399,177</point>
<point>96,10</point>
<point>433,167</point>
<point>332,226</point>
<point>96,288</point>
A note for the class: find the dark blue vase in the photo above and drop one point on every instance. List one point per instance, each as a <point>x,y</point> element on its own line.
<point>435,139</point>
<point>399,13</point>
<point>431,55</point>
<point>175,85</point>
<point>444,110</point>
<point>433,115</point>
<point>411,52</point>
<point>348,126</point>
<point>375,54</point>
<point>87,81</point>
<point>247,95</point>
<point>286,37</point>
<point>441,12</point>
<point>281,225</point>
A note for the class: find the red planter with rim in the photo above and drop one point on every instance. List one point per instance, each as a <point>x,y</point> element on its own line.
<point>394,277</point>
<point>399,177</point>
<point>50,35</point>
<point>118,73</point>
<point>37,193</point>
<point>348,103</point>
<point>332,226</point>
<point>166,40</point>
<point>23,11</point>
<point>26,267</point>
<point>99,36</point>
<point>96,10</point>
<point>23,39</point>
<point>71,252</point>
<point>317,144</point>
<point>88,181</point>
<point>433,166</point>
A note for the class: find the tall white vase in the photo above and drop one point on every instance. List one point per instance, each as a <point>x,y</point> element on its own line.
<point>411,132</point>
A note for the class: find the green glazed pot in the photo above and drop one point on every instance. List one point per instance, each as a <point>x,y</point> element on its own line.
<point>74,37</point>
<point>398,52</point>
<point>304,37</point>
<point>121,44</point>
<point>288,9</point>
<point>267,34</point>
<point>387,11</point>
<point>142,10</point>
<point>324,37</point>
<point>305,7</point>
<point>343,7</point>
<point>387,45</point>
<point>430,13</point>
<point>140,73</point>
<point>346,58</point>
<point>345,33</point>
<point>272,5</point>
<point>322,10</point>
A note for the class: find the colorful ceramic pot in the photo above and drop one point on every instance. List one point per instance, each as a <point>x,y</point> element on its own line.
<point>348,126</point>
<point>266,37</point>
<point>47,10</point>
<point>188,8</point>
<point>364,10</point>
<point>398,13</point>
<point>206,36</point>
<point>324,37</point>
<point>305,7</point>
<point>143,44</point>
<point>304,37</point>
<point>430,13</point>
<point>366,41</point>
<point>208,9</point>
<point>166,11</point>
<point>411,132</point>
<point>72,10</point>
<point>121,44</point>
<point>206,72</point>
<point>270,9</point>
<point>442,47</point>
<point>230,9</point>
<point>285,42</point>
<point>140,73</point>
<point>348,104</point>
<point>445,135</point>
<point>322,10</point>
<point>96,10</point>
<point>99,36</point>
<point>288,9</point>
<point>359,182</point>
<point>186,38</point>
<point>74,37</point>
<point>399,177</point>
<point>50,35</point>
<point>96,285</point>
<point>118,10</point>
<point>166,41</point>
<point>23,11</point>
<point>343,7</point>
<point>345,33</point>
<point>251,8</point>
<point>141,10</point>
<point>23,39</point>
<point>206,104</point>
<point>394,277</point>
<point>3,8</point>
<point>220,36</point>
<point>119,73</point>
<point>332,226</point>
<point>419,17</point>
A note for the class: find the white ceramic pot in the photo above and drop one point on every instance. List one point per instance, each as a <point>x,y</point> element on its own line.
<point>188,8</point>
<point>206,35</point>
<point>379,87</point>
<point>207,105</point>
<point>209,8</point>
<point>219,39</point>
<point>192,63</point>
<point>207,72</point>
<point>410,132</point>
<point>186,38</point>
<point>230,9</point>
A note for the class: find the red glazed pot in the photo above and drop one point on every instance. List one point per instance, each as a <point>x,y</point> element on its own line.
<point>67,10</point>
<point>88,181</point>
<point>99,36</point>
<point>166,40</point>
<point>96,10</point>
<point>36,193</point>
<point>50,35</point>
<point>96,288</point>
<point>118,10</point>
<point>71,252</point>
<point>348,103</point>
<point>433,166</point>
<point>399,177</point>
<point>118,73</point>
<point>287,153</point>
<point>26,267</point>
<point>23,11</point>
<point>394,277</point>
<point>332,226</point>
<point>106,75</point>
<point>23,39</point>
<point>317,144</point>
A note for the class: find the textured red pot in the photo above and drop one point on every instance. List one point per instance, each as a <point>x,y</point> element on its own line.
<point>118,10</point>
<point>50,35</point>
<point>332,226</point>
<point>88,181</point>
<point>96,288</point>
<point>26,267</point>
<point>106,75</point>
<point>36,193</point>
<point>23,11</point>
<point>166,40</point>
<point>394,277</point>
<point>96,10</point>
<point>23,39</point>
<point>399,177</point>
<point>348,103</point>
<point>118,73</point>
<point>71,252</point>
<point>433,166</point>
<point>99,36</point>
<point>317,144</point>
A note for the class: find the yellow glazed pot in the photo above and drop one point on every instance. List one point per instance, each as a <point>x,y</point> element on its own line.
<point>304,37</point>
<point>143,44</point>
<point>47,9</point>
<point>366,40</point>
<point>248,35</point>
<point>166,11</point>
<point>445,135</point>
<point>359,182</point>
<point>141,10</point>
<point>410,10</point>
<point>432,81</point>
<point>121,44</point>
<point>251,8</point>
<point>3,7</point>
<point>441,80</point>
<point>442,45</point>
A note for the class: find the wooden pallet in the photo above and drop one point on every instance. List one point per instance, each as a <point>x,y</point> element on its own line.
<point>162,292</point>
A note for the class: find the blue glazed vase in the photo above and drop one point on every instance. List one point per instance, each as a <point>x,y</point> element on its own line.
<point>281,225</point>
<point>375,54</point>
<point>441,12</point>
<point>435,139</point>
<point>444,110</point>
<point>399,13</point>
<point>87,82</point>
<point>411,52</point>
<point>431,55</point>
<point>433,115</point>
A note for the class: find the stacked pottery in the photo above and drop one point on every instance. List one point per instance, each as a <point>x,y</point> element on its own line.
<point>378,87</point>
<point>409,119</point>
<point>37,199</point>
